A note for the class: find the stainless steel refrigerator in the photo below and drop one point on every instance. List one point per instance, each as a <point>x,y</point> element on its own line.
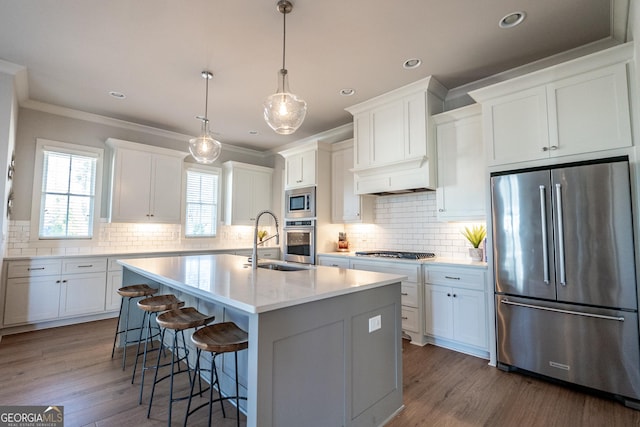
<point>565,282</point>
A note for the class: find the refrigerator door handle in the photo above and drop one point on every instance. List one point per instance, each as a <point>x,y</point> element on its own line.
<point>557,310</point>
<point>543,221</point>
<point>563,273</point>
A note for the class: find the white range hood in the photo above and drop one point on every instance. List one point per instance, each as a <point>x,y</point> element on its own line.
<point>394,144</point>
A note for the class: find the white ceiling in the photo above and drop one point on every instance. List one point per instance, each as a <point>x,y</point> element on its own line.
<point>76,51</point>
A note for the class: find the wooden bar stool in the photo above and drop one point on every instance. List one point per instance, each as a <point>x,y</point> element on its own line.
<point>129,292</point>
<point>177,320</point>
<point>151,307</point>
<point>218,339</point>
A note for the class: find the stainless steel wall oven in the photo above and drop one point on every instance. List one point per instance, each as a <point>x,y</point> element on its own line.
<point>299,241</point>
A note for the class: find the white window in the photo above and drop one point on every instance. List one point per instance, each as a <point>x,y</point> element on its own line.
<point>66,190</point>
<point>202,189</point>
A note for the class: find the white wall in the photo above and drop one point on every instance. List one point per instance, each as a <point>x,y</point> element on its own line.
<point>8,121</point>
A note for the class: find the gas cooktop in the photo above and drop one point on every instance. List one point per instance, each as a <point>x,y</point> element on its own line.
<point>397,254</point>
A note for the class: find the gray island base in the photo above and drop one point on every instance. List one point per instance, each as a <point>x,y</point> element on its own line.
<point>324,343</point>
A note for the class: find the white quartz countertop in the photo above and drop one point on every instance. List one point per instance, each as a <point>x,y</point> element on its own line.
<point>227,279</point>
<point>429,261</point>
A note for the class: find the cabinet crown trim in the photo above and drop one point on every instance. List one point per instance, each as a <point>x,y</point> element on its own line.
<point>428,84</point>
<point>120,143</point>
<point>615,55</point>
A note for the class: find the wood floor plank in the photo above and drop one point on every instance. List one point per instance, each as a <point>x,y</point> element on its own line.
<point>72,366</point>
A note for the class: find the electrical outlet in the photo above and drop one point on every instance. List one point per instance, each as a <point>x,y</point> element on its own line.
<point>375,323</point>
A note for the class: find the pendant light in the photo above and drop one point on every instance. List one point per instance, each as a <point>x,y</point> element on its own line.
<point>205,148</point>
<point>284,112</point>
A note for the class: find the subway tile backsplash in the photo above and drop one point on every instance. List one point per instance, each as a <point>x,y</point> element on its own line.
<point>402,222</point>
<point>125,238</point>
<point>408,222</point>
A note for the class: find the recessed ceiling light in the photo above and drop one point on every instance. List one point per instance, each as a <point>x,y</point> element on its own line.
<point>412,63</point>
<point>512,19</point>
<point>347,91</point>
<point>118,95</point>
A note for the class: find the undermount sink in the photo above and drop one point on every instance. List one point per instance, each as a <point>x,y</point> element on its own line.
<point>281,267</point>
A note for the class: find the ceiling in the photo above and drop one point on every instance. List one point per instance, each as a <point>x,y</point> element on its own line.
<point>153,51</point>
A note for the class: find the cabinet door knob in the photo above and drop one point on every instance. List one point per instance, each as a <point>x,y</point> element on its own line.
<point>440,210</point>
<point>553,147</point>
<point>454,295</point>
<point>448,294</point>
<point>545,148</point>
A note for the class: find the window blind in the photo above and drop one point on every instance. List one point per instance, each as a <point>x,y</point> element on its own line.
<point>201,204</point>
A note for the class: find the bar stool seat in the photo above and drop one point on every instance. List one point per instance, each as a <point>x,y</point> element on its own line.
<point>129,292</point>
<point>218,339</point>
<point>151,307</point>
<point>177,320</point>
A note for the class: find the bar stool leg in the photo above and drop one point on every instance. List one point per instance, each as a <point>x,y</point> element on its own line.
<point>115,336</point>
<point>235,355</point>
<point>119,331</point>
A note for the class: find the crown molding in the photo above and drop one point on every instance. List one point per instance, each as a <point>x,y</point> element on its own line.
<point>123,124</point>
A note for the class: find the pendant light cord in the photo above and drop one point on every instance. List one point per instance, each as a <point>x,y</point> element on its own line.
<point>284,37</point>
<point>206,98</point>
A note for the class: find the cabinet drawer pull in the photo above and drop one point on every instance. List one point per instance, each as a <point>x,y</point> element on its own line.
<point>404,293</point>
<point>404,318</point>
<point>85,266</point>
<point>64,281</point>
<point>452,277</point>
<point>57,281</point>
<point>34,268</point>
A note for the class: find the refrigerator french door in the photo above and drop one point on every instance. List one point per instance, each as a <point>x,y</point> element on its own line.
<point>566,297</point>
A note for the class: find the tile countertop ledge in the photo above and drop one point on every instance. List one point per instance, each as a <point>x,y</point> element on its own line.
<point>227,279</point>
<point>437,260</point>
<point>157,253</point>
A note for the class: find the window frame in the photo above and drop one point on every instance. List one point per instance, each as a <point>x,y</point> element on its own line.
<point>213,170</point>
<point>43,145</point>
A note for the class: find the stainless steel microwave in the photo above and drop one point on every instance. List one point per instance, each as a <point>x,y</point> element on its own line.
<point>300,203</point>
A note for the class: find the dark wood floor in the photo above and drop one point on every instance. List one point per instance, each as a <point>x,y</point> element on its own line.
<point>71,366</point>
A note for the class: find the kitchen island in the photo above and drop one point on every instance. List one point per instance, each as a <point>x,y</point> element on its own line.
<point>324,342</point>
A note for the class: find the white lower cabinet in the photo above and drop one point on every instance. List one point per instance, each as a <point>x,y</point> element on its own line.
<point>411,289</point>
<point>455,306</point>
<point>82,294</point>
<point>31,299</point>
<point>42,290</point>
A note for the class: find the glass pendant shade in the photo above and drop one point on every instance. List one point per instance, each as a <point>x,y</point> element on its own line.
<point>284,112</point>
<point>204,148</point>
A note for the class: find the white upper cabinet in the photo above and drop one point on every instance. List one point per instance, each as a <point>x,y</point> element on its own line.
<point>462,175</point>
<point>146,183</point>
<point>248,191</point>
<point>393,143</point>
<point>580,106</point>
<point>306,165</point>
<point>300,169</point>
<point>346,206</point>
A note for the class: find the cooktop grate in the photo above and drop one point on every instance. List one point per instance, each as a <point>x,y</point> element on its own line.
<point>397,254</point>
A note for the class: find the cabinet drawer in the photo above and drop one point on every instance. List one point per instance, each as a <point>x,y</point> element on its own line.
<point>333,262</point>
<point>269,253</point>
<point>411,271</point>
<point>409,294</point>
<point>33,268</point>
<point>460,277</point>
<point>84,265</point>
<point>410,319</point>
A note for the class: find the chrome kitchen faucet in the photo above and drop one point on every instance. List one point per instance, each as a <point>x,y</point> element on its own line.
<point>254,255</point>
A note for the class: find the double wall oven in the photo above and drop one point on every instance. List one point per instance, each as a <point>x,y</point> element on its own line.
<point>300,225</point>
